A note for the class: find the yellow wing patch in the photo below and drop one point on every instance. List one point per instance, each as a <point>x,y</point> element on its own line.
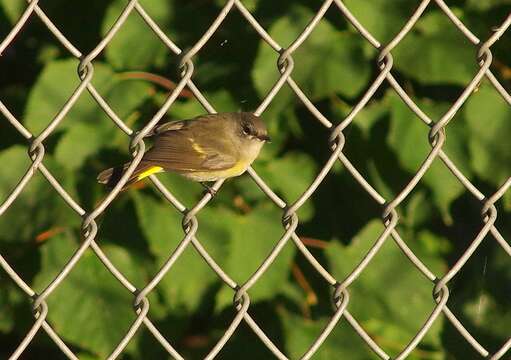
<point>150,171</point>
<point>197,147</point>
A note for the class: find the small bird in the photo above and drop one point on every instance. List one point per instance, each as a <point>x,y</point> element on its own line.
<point>206,148</point>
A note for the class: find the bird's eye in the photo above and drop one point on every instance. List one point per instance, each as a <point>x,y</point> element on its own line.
<point>246,130</point>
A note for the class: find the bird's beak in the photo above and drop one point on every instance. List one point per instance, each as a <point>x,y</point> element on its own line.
<point>264,138</point>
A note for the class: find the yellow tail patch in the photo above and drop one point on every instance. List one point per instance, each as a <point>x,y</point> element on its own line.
<point>150,171</point>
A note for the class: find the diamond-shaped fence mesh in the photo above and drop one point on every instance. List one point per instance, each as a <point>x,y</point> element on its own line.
<point>435,130</point>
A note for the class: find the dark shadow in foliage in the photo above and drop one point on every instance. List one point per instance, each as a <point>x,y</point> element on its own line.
<point>25,46</point>
<point>456,345</point>
<point>227,57</point>
<point>343,219</point>
<point>322,290</point>
<point>41,343</point>
<point>126,233</point>
<point>171,328</point>
<point>482,280</point>
<point>37,347</point>
<point>245,343</point>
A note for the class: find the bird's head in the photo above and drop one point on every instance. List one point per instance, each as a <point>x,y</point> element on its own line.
<point>252,127</point>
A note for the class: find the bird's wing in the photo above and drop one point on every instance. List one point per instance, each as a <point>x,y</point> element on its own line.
<point>169,126</point>
<point>192,148</point>
<point>180,124</point>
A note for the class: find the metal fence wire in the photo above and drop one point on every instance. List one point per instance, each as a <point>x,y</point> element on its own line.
<point>241,302</point>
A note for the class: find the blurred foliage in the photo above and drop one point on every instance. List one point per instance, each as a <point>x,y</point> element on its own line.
<point>235,70</point>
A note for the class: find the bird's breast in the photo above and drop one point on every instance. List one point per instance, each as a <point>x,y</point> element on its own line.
<point>250,150</point>
<point>246,156</point>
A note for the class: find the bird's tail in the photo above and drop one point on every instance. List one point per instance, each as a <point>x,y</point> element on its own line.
<point>110,177</point>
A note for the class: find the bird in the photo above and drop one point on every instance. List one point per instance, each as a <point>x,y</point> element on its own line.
<point>203,149</point>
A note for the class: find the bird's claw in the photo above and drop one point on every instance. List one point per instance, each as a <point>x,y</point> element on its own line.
<point>209,189</point>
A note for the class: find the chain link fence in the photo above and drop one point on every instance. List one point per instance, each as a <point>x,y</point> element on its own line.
<point>434,129</point>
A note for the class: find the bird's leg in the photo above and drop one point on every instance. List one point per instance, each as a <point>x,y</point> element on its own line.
<point>209,189</point>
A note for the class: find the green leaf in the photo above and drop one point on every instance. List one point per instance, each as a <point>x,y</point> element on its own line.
<point>445,188</point>
<point>221,100</point>
<point>13,9</point>
<point>290,176</point>
<point>11,298</point>
<point>428,56</point>
<point>251,5</point>
<point>53,88</point>
<point>382,18</point>
<point>252,236</point>
<point>408,136</point>
<point>38,208</point>
<point>506,200</point>
<point>161,225</point>
<point>86,127</point>
<point>484,5</point>
<point>57,82</point>
<point>487,116</point>
<point>434,245</point>
<point>124,95</point>
<point>83,356</point>
<point>84,139</point>
<point>342,343</point>
<point>418,210</point>
<point>396,311</point>
<point>73,149</point>
<point>366,118</point>
<point>89,295</point>
<point>339,55</point>
<point>135,46</point>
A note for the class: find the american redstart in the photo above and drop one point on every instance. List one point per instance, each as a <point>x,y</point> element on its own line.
<point>205,148</point>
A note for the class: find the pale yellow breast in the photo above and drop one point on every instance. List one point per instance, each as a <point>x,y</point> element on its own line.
<point>247,156</point>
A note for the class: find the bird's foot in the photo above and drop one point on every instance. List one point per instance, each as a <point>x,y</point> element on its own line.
<point>209,189</point>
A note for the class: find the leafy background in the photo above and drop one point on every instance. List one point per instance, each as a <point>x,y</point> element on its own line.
<point>235,69</point>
